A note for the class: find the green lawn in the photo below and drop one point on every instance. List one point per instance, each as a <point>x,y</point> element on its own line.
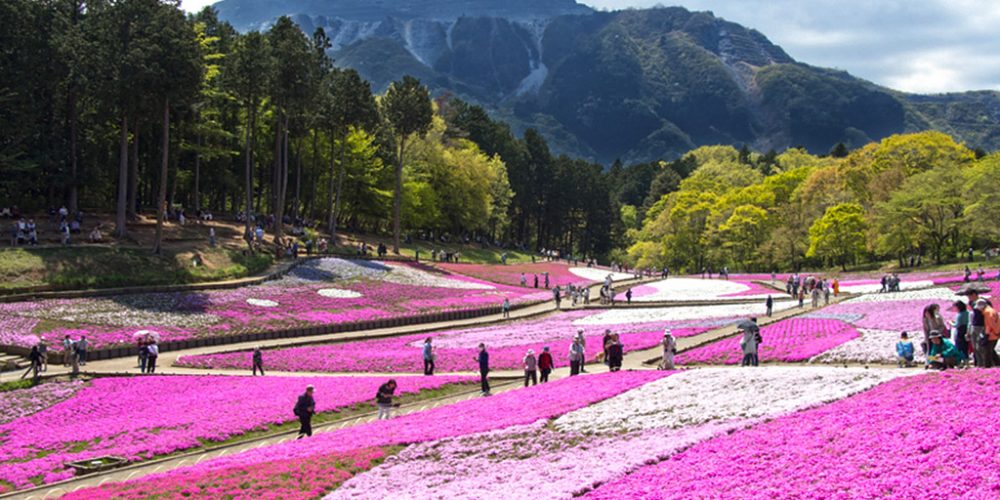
<point>84,267</point>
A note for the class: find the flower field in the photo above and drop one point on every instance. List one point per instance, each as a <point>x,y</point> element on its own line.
<point>560,274</point>
<point>319,292</point>
<point>795,339</point>
<point>142,417</point>
<point>457,349</point>
<point>877,444</point>
<point>693,289</point>
<point>22,402</point>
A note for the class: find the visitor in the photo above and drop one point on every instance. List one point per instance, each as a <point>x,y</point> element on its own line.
<point>576,353</point>
<point>557,295</point>
<point>305,407</point>
<point>530,368</point>
<point>942,353</point>
<point>211,237</point>
<point>154,352</point>
<point>967,275</point>
<point>749,344</point>
<point>814,294</point>
<point>904,351</point>
<point>35,358</point>
<point>428,355</point>
<point>605,341</point>
<point>524,280</point>
<point>836,287</point>
<point>383,399</point>
<point>769,303</point>
<point>615,353</point>
<point>992,321</point>
<point>669,350</point>
<point>32,232</point>
<point>802,297</point>
<point>583,345</point>
<point>977,332</point>
<point>628,296</point>
<point>64,231</point>
<point>143,353</point>
<point>258,361</point>
<point>826,293</point>
<point>484,369</point>
<point>81,349</point>
<point>95,235</point>
<point>960,330</point>
<point>932,321</point>
<point>505,308</point>
<point>545,364</point>
<point>536,281</point>
<point>68,350</point>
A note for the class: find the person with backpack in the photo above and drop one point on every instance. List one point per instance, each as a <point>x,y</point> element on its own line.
<point>383,399</point>
<point>258,361</point>
<point>484,369</point>
<point>305,408</point>
<point>545,364</point>
<point>530,368</point>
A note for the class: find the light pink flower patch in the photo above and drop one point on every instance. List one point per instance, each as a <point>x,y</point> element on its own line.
<point>795,339</point>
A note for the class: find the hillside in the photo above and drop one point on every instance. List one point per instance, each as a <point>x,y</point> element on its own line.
<point>635,85</point>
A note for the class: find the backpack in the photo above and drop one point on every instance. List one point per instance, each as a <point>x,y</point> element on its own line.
<point>758,338</point>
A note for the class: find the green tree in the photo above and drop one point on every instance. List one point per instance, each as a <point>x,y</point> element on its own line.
<point>408,111</point>
<point>349,104</point>
<point>839,235</point>
<point>928,207</point>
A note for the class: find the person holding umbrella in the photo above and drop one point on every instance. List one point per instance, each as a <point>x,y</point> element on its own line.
<point>750,342</point>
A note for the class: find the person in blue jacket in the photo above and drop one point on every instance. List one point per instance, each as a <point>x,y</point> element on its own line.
<point>484,369</point>
<point>904,350</point>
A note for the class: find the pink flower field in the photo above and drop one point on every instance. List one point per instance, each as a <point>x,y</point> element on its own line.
<point>142,417</point>
<point>456,350</point>
<point>323,294</point>
<point>795,339</point>
<point>559,273</point>
<point>241,475</point>
<point>931,436</point>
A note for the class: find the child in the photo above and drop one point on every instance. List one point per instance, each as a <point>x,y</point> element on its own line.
<point>904,350</point>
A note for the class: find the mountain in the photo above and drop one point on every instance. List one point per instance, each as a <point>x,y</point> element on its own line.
<point>633,84</point>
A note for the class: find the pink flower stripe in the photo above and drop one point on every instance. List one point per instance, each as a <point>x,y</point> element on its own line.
<point>871,445</point>
<point>559,273</point>
<point>22,402</point>
<point>795,339</point>
<point>890,315</point>
<point>755,289</point>
<point>456,349</point>
<point>517,407</point>
<point>142,417</point>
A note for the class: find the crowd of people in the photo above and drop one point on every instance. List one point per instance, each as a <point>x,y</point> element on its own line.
<point>968,339</point>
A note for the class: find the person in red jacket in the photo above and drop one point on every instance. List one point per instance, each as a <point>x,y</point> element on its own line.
<point>545,364</point>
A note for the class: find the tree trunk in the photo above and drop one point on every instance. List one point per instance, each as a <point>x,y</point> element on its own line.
<point>197,176</point>
<point>330,220</point>
<point>71,122</point>
<point>120,231</point>
<point>248,155</point>
<point>161,199</point>
<point>282,181</point>
<point>340,185</point>
<point>397,201</point>
<point>133,176</point>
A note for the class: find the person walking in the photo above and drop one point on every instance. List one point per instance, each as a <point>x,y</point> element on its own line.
<point>545,364</point>
<point>43,353</point>
<point>769,303</point>
<point>428,355</point>
<point>530,368</point>
<point>35,358</point>
<point>836,287</point>
<point>669,345</point>
<point>977,332</point>
<point>154,352</point>
<point>615,353</point>
<point>749,344</point>
<point>536,281</point>
<point>383,399</point>
<point>815,297</point>
<point>628,296</point>
<point>143,342</point>
<point>583,350</point>
<point>305,408</point>
<point>992,320</point>
<point>484,369</point>
<point>575,357</point>
<point>546,280</point>
<point>557,295</point>
<point>68,351</point>
<point>505,308</point>
<point>258,361</point>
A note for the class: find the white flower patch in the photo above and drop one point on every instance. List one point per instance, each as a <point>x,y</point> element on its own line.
<point>681,313</point>
<point>598,275</point>
<point>681,289</point>
<point>337,293</point>
<point>873,346</point>
<point>707,395</point>
<point>936,293</point>
<point>875,287</point>
<point>262,303</point>
<point>406,275</point>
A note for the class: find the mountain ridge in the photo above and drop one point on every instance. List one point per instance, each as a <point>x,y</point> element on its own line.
<point>635,84</point>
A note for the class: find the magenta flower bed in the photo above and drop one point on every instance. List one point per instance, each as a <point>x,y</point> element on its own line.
<point>755,289</point>
<point>142,417</point>
<point>871,445</point>
<point>559,273</point>
<point>795,339</point>
<point>518,407</point>
<point>113,321</point>
<point>23,402</point>
<point>456,349</point>
<point>890,315</point>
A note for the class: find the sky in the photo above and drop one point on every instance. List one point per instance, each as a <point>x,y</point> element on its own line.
<point>924,46</point>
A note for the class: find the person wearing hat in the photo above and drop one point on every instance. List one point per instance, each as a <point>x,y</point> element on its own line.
<point>305,408</point>
<point>530,368</point>
<point>942,353</point>
<point>904,351</point>
<point>545,363</point>
<point>669,350</point>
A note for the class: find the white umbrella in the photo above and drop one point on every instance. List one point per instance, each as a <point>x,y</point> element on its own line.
<point>148,334</point>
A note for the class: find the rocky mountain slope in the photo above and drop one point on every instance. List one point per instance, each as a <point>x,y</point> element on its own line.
<point>636,84</point>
